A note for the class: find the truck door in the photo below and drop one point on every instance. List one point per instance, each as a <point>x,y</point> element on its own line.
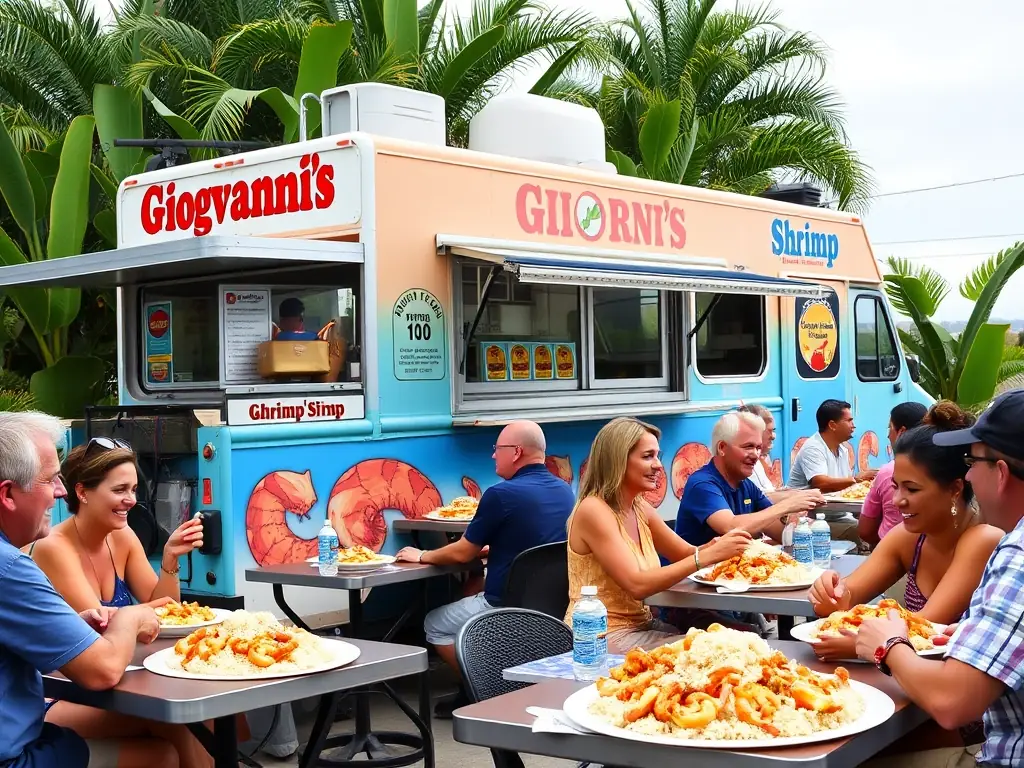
<point>875,378</point>
<point>816,364</point>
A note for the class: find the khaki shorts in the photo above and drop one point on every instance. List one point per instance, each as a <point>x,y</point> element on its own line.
<point>953,757</point>
<point>103,753</point>
<point>648,636</point>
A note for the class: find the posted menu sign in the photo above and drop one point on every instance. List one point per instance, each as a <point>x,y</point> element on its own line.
<point>246,324</point>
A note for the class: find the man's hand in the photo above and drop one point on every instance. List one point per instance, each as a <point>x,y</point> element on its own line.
<point>866,477</point>
<point>409,555</point>
<point>147,627</point>
<point>98,618</point>
<point>874,633</point>
<point>802,502</point>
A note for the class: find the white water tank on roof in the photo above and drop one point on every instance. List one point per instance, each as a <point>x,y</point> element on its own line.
<point>384,110</point>
<point>540,128</point>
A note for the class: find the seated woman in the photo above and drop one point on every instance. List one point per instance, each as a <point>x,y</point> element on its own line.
<point>615,536</point>
<point>941,545</point>
<point>93,558</point>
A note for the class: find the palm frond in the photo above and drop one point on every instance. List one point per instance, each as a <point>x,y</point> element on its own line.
<point>975,283</point>
<point>26,132</point>
<point>934,283</point>
<point>240,56</point>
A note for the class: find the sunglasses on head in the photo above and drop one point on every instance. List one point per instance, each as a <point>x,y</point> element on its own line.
<point>106,444</point>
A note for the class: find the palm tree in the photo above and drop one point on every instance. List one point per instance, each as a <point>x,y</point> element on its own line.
<point>970,367</point>
<point>730,100</point>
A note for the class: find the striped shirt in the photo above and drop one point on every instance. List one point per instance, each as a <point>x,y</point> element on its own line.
<point>991,639</point>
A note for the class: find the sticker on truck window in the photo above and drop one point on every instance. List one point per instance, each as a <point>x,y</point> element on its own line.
<point>817,337</point>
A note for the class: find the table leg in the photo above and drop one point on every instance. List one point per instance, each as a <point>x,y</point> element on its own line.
<point>325,714</point>
<point>287,609</point>
<point>785,625</point>
<point>225,742</point>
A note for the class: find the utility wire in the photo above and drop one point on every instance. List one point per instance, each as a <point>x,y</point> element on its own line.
<point>950,239</point>
<point>951,185</point>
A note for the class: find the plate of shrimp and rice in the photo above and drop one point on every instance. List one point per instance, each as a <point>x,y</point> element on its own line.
<point>920,631</point>
<point>760,567</point>
<point>250,646</point>
<point>722,688</point>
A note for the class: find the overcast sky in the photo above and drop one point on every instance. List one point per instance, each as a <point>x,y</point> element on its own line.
<point>933,97</point>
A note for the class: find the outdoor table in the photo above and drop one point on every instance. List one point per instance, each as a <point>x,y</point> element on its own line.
<point>144,694</point>
<point>362,739</point>
<point>503,723</point>
<point>453,529</point>
<point>785,605</point>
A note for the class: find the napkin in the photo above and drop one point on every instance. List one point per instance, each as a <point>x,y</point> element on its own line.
<point>132,668</point>
<point>552,721</point>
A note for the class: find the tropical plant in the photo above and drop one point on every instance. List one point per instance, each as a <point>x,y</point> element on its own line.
<point>730,100</point>
<point>968,367</point>
<point>52,212</point>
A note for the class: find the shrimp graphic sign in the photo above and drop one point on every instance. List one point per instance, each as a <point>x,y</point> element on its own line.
<point>817,338</point>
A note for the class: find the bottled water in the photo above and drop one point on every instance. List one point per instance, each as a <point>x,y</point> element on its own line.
<point>787,534</point>
<point>589,641</point>
<point>327,550</point>
<point>821,542</point>
<point>803,543</point>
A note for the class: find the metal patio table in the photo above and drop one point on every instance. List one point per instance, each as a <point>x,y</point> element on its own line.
<point>144,694</point>
<point>362,740</point>
<point>452,529</point>
<point>786,605</point>
<point>503,723</point>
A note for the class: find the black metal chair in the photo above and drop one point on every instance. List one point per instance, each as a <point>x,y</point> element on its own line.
<point>539,580</point>
<point>496,640</point>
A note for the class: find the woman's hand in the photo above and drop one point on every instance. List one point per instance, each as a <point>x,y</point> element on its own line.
<point>186,537</point>
<point>835,648</point>
<point>724,547</point>
<point>829,594</point>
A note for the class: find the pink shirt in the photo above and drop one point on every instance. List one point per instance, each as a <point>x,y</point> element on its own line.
<point>879,501</point>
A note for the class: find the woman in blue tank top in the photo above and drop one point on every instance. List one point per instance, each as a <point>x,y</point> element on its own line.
<point>93,558</point>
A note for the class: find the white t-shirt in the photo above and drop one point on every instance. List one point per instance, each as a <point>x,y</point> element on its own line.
<point>761,479</point>
<point>816,458</point>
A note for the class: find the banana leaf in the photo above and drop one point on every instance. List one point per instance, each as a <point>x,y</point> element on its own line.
<point>981,368</point>
<point>322,50</point>
<point>65,388</point>
<point>658,134</point>
<point>118,116</point>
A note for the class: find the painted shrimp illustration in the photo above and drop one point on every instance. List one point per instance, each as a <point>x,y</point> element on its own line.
<point>796,449</point>
<point>275,496</point>
<point>867,448</point>
<point>654,498</point>
<point>775,473</point>
<point>472,488</point>
<point>687,460</point>
<point>560,466</point>
<point>360,496</point>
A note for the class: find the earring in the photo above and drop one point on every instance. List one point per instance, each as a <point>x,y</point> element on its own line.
<point>952,510</point>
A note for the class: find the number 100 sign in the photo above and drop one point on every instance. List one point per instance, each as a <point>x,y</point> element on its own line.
<point>417,325</point>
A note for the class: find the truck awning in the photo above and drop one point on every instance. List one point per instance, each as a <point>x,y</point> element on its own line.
<point>626,270</point>
<point>199,257</point>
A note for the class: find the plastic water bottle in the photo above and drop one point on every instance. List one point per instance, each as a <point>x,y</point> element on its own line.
<point>589,641</point>
<point>821,542</point>
<point>787,534</point>
<point>803,542</point>
<point>327,550</point>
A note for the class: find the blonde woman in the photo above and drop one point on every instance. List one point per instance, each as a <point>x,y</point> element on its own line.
<point>616,537</point>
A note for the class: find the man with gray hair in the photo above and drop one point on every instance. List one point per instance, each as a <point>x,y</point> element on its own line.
<point>721,497</point>
<point>531,507</point>
<point>39,632</point>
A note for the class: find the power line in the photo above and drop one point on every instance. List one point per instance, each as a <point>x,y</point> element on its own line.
<point>950,239</point>
<point>947,256</point>
<point>949,186</point>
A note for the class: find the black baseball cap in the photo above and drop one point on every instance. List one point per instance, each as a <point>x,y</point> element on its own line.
<point>1000,427</point>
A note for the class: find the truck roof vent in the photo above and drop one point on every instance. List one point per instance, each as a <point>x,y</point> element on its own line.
<point>540,128</point>
<point>384,110</point>
<point>801,193</point>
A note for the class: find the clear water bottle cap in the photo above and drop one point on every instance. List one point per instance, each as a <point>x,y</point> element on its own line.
<point>820,515</point>
<point>589,591</point>
<point>327,522</point>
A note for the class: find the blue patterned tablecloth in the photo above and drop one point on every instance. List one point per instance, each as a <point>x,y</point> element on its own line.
<point>553,667</point>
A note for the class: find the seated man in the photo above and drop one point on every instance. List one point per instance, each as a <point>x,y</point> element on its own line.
<point>825,462</point>
<point>531,507</point>
<point>981,674</point>
<point>39,632</point>
<point>721,496</point>
<point>291,325</point>
<point>763,466</point>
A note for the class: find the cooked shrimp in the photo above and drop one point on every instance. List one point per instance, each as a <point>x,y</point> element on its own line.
<point>259,656</point>
<point>756,705</point>
<point>809,697</point>
<point>643,707</point>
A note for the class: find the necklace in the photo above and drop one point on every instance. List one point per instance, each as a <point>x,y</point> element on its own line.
<point>95,573</point>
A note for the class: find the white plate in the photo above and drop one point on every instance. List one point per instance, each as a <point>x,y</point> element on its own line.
<point>343,653</point>
<point>699,578</point>
<point>176,630</point>
<point>805,633</point>
<point>380,562</point>
<point>438,518</point>
<point>878,708</point>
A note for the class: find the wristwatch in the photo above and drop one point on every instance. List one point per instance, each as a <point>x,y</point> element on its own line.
<point>882,652</point>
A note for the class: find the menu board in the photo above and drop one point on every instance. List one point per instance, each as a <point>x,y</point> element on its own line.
<point>245,324</point>
<point>419,346</point>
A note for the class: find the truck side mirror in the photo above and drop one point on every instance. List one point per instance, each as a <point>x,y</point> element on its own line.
<point>914,366</point>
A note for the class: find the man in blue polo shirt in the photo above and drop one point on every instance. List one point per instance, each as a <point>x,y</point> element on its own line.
<point>720,496</point>
<point>39,632</point>
<point>531,507</point>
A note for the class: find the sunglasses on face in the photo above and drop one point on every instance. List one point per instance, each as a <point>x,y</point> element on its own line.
<point>99,444</point>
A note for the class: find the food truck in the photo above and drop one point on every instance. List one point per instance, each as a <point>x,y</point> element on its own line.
<point>339,327</point>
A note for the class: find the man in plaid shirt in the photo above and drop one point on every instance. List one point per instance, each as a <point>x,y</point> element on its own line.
<point>982,673</point>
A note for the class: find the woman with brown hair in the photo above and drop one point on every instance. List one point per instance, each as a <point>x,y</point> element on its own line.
<point>616,536</point>
<point>94,559</point>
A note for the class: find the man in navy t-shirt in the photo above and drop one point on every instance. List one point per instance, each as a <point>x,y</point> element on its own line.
<point>721,496</point>
<point>531,507</point>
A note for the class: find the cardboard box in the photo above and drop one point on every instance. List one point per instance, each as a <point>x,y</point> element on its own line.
<point>519,361</point>
<point>293,358</point>
<point>494,361</point>
<point>542,365</point>
<point>565,361</point>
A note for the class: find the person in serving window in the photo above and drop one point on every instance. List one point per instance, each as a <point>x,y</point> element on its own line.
<point>528,508</point>
<point>291,322</point>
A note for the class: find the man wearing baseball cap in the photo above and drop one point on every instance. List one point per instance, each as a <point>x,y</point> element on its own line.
<point>982,673</point>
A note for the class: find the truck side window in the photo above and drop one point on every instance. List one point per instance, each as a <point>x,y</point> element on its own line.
<point>877,355</point>
<point>731,343</point>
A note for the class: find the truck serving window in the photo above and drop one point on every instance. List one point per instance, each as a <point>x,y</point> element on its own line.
<point>877,355</point>
<point>732,341</point>
<point>207,335</point>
